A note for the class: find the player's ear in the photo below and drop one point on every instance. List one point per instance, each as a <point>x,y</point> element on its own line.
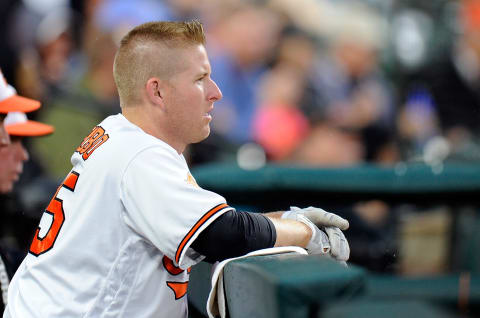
<point>154,91</point>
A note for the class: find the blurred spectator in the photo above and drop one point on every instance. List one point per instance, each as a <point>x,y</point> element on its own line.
<point>43,40</point>
<point>240,45</point>
<point>279,125</point>
<point>316,17</point>
<point>346,98</point>
<point>328,146</point>
<point>349,91</point>
<point>8,58</point>
<point>417,123</point>
<point>116,17</point>
<point>454,84</point>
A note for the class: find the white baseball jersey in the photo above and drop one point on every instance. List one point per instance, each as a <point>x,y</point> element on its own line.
<point>115,239</point>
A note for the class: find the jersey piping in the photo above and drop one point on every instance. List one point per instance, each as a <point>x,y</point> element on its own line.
<point>187,239</point>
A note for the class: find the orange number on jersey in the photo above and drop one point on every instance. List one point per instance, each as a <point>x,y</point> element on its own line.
<point>43,244</point>
<point>92,142</point>
<point>178,288</point>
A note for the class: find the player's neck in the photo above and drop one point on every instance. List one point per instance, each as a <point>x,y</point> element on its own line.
<point>151,125</point>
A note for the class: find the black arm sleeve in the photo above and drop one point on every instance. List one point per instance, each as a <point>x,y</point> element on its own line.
<point>234,234</point>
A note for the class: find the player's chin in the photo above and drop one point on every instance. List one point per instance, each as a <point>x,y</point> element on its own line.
<point>205,132</point>
<point>6,187</point>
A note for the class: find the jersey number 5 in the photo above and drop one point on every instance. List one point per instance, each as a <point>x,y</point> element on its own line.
<point>44,243</point>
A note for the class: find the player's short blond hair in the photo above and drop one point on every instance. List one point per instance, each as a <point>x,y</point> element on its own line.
<point>144,53</point>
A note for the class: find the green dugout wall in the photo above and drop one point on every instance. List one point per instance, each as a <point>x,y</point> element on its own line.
<point>268,287</point>
<point>276,185</point>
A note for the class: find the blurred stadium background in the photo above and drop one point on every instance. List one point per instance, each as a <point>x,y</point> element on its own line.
<point>368,108</point>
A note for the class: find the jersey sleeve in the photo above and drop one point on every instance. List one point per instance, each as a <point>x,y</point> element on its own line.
<point>164,204</point>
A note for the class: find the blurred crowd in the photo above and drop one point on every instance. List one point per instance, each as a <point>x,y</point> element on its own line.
<point>307,82</point>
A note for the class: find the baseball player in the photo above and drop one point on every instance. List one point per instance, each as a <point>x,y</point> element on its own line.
<point>10,101</point>
<point>123,229</point>
<point>13,126</point>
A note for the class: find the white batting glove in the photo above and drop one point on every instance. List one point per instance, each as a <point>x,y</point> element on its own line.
<point>320,217</point>
<point>339,248</point>
<point>328,222</point>
<point>319,243</point>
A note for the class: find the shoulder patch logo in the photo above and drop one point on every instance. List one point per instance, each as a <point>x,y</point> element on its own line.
<point>191,180</point>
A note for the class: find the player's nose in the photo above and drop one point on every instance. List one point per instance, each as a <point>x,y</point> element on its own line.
<point>215,92</point>
<point>25,155</point>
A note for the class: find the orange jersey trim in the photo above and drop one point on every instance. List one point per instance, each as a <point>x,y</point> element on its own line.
<point>195,228</point>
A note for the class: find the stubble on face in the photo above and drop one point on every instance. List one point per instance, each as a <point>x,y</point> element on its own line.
<point>186,100</point>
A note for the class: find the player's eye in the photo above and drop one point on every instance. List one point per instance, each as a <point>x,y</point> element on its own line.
<point>202,77</point>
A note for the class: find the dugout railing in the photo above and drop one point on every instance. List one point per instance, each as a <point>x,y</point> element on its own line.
<point>453,290</point>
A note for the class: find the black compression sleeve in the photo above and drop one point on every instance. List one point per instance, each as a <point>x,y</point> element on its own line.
<point>234,234</point>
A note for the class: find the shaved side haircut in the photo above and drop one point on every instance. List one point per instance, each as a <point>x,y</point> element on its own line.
<point>150,50</point>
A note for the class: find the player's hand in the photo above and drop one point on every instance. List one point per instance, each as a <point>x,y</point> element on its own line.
<point>320,217</point>
<point>329,223</point>
<point>319,243</point>
<point>339,248</point>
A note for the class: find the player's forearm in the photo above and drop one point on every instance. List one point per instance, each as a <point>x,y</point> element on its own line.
<point>275,215</point>
<point>290,232</point>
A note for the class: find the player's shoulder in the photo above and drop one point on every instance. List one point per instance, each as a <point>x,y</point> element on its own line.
<point>116,137</point>
<point>128,136</point>
<point>133,141</point>
<point>119,125</point>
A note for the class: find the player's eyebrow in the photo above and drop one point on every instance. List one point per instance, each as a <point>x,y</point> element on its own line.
<point>203,74</point>
<point>205,70</point>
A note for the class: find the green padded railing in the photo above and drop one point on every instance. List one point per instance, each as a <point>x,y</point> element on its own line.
<point>288,286</point>
<point>251,282</point>
<point>454,290</point>
<point>279,286</point>
<point>385,309</point>
<point>452,182</point>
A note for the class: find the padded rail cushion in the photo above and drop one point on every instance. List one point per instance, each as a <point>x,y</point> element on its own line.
<point>454,290</point>
<point>287,285</point>
<point>384,309</point>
